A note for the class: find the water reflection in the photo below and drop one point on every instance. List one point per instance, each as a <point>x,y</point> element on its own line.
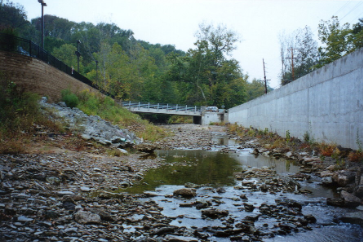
<point>211,168</point>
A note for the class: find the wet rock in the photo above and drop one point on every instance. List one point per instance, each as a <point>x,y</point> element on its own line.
<point>221,190</point>
<point>255,151</point>
<point>243,196</point>
<point>175,238</point>
<point>350,200</point>
<point>246,227</point>
<point>186,204</point>
<point>215,213</point>
<point>151,194</point>
<point>84,217</point>
<point>164,230</point>
<point>343,178</point>
<point>248,207</point>
<point>355,217</point>
<point>185,192</point>
<point>202,204</point>
<point>264,188</point>
<point>310,218</point>
<point>289,203</point>
<point>337,202</point>
<point>191,185</point>
<point>328,180</point>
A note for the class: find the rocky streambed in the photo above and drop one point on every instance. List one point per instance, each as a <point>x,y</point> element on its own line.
<point>69,195</point>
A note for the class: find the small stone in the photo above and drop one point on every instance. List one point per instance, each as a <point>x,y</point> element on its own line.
<point>65,193</point>
<point>85,189</point>
<point>24,219</point>
<point>84,217</point>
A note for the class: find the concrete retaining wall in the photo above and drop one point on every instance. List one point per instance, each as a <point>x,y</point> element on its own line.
<point>38,77</point>
<point>327,104</point>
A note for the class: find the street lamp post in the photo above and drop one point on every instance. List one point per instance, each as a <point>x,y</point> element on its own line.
<point>97,70</point>
<point>43,4</point>
<point>78,54</point>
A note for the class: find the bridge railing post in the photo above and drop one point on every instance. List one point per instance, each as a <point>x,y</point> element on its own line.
<point>167,106</point>
<point>158,105</point>
<point>176,108</point>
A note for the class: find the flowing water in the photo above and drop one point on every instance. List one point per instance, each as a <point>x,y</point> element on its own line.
<point>214,169</point>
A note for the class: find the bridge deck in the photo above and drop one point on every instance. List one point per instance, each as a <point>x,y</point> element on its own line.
<point>163,108</point>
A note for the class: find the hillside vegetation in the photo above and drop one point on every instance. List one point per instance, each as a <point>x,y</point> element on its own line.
<point>21,118</point>
<point>137,70</point>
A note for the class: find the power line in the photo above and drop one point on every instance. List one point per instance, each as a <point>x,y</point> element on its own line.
<point>355,7</point>
<point>342,8</point>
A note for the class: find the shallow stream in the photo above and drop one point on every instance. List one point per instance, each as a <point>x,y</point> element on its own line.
<point>213,169</point>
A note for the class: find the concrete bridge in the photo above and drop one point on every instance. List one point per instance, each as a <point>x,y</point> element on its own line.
<point>200,115</point>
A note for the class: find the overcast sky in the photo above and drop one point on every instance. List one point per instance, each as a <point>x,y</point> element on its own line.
<point>257,22</point>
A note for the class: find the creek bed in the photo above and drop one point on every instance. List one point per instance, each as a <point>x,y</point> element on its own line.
<point>212,173</point>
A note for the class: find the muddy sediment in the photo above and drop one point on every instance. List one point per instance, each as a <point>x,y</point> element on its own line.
<point>76,196</point>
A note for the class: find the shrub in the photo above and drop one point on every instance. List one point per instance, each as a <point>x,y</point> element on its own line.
<point>356,156</point>
<point>69,98</point>
<point>19,116</point>
<point>327,149</point>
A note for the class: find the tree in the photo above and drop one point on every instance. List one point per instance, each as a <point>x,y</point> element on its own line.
<point>337,40</point>
<point>255,89</point>
<point>66,53</point>
<point>12,15</point>
<point>299,54</point>
<point>358,34</point>
<point>205,76</point>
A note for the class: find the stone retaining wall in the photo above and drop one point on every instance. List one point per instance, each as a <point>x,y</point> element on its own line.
<point>36,76</point>
<point>327,104</point>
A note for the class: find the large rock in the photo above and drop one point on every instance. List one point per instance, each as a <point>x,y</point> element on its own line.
<point>343,178</point>
<point>84,217</point>
<point>185,192</point>
<point>147,148</point>
<point>353,217</point>
<point>215,213</point>
<point>350,200</point>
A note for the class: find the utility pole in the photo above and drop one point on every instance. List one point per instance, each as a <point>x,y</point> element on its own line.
<point>43,4</point>
<point>292,63</point>
<point>78,54</point>
<point>264,75</point>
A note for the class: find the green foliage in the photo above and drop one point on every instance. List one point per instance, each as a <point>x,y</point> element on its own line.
<point>306,137</point>
<point>300,49</point>
<point>66,54</point>
<point>205,76</point>
<point>338,39</point>
<point>105,107</point>
<point>19,116</point>
<point>8,41</point>
<point>288,136</point>
<point>69,98</point>
<point>255,89</point>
